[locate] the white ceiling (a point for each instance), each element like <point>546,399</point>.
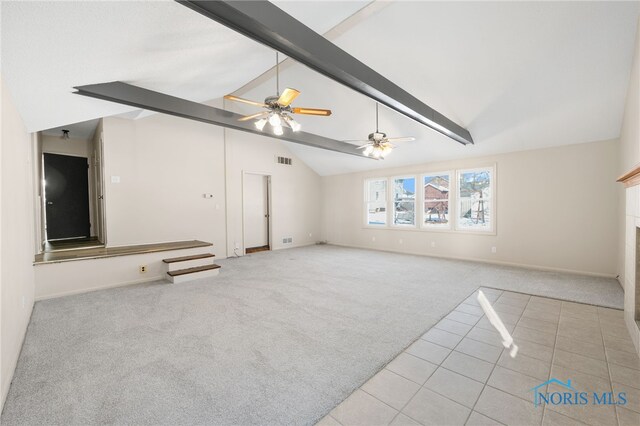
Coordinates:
<point>82,130</point>
<point>50,47</point>
<point>517,75</point>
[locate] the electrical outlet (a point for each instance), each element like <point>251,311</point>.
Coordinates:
<point>400,241</point>
<point>494,250</point>
<point>433,243</point>
<point>310,234</point>
<point>143,269</point>
<point>373,239</point>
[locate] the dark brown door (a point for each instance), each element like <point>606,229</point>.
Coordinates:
<point>66,196</point>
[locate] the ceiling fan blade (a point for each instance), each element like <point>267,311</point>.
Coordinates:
<point>245,101</point>
<point>252,116</point>
<point>406,139</point>
<point>311,111</point>
<point>363,146</point>
<point>288,96</point>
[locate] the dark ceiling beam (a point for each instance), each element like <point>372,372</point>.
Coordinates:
<point>138,97</point>
<point>265,23</point>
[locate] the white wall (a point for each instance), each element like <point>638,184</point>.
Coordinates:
<point>630,214</point>
<point>67,278</point>
<point>71,146</point>
<point>165,164</point>
<point>295,191</point>
<point>16,238</point>
<point>557,209</point>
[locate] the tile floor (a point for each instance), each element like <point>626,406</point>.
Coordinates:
<point>458,373</point>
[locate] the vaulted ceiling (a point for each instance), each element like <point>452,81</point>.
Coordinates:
<point>517,75</point>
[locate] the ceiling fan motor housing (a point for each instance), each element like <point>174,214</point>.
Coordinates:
<point>272,102</point>
<point>377,136</point>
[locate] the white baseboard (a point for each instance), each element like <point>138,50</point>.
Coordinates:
<point>491,262</point>
<point>103,287</point>
<point>294,245</point>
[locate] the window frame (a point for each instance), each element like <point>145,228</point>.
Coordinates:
<point>491,230</point>
<point>367,201</point>
<point>452,181</point>
<point>391,198</point>
<point>454,197</point>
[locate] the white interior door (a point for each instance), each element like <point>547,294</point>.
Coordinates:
<point>256,210</point>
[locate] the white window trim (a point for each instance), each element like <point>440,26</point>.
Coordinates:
<point>366,203</point>
<point>452,179</point>
<point>392,210</point>
<point>492,229</point>
<point>454,196</point>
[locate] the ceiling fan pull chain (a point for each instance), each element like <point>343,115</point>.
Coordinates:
<point>377,118</point>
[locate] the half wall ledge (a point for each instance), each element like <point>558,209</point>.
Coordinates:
<point>103,252</point>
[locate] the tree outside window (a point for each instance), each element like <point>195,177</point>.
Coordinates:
<point>475,201</point>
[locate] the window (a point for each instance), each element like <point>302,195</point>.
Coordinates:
<point>404,201</point>
<point>461,200</point>
<point>475,200</point>
<point>436,200</point>
<point>376,201</point>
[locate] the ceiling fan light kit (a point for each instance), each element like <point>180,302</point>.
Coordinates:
<point>378,145</point>
<point>278,109</point>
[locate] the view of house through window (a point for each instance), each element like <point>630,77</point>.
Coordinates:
<point>404,201</point>
<point>376,202</point>
<point>475,199</point>
<point>470,206</point>
<point>436,200</point>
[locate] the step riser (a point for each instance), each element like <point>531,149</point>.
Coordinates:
<point>194,276</point>
<point>176,266</point>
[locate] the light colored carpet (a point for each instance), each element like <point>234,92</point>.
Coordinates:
<point>277,338</point>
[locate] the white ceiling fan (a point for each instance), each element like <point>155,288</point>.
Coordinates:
<point>378,145</point>
<point>278,108</point>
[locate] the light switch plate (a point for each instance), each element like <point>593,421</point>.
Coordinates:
<point>115,179</point>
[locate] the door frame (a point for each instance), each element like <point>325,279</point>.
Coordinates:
<point>91,193</point>
<point>101,206</point>
<point>39,195</point>
<point>269,208</point>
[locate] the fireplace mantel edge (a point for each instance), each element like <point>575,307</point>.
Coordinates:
<point>631,178</point>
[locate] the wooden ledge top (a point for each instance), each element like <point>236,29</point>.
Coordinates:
<point>192,270</point>
<point>186,258</point>
<point>104,252</point>
<point>631,178</point>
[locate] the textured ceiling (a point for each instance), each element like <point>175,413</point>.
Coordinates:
<point>50,47</point>
<point>518,75</point>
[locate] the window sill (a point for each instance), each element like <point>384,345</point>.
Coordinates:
<point>428,230</point>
